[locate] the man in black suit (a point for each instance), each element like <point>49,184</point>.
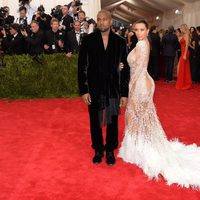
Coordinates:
<point>35,39</point>
<point>154,58</point>
<point>170,45</point>
<point>66,22</point>
<point>54,38</point>
<point>15,43</point>
<point>74,39</point>
<point>102,85</point>
<point>9,19</point>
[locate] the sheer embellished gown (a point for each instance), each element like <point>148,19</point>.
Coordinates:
<point>145,143</point>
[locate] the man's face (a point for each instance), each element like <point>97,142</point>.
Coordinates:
<point>55,26</point>
<point>103,22</point>
<point>81,17</point>
<point>22,13</point>
<point>34,27</point>
<point>65,10</point>
<point>77,26</point>
<point>12,31</point>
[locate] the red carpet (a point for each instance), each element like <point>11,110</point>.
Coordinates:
<point>45,151</point>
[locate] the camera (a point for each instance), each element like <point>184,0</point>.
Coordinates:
<point>56,13</point>
<point>23,2</point>
<point>78,3</point>
<point>3,12</point>
<point>41,11</point>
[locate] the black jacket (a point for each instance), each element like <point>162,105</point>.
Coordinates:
<point>67,21</point>
<point>98,69</point>
<point>155,44</point>
<point>14,45</point>
<point>35,43</point>
<point>170,44</point>
<point>52,39</point>
<point>72,44</point>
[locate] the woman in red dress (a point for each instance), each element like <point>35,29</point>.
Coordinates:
<point>184,76</point>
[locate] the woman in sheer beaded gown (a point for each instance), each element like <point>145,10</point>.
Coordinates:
<point>145,143</point>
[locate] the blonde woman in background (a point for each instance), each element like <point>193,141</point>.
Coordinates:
<point>183,72</point>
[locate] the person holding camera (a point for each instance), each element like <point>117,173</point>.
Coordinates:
<point>42,18</point>
<point>35,39</point>
<point>84,23</point>
<point>22,19</point>
<point>15,43</point>
<point>54,38</point>
<point>8,19</point>
<point>30,9</point>
<point>66,21</point>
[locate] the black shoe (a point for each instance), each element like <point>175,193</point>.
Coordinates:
<point>97,157</point>
<point>110,158</point>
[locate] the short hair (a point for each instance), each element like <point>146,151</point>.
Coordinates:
<point>77,21</point>
<point>35,22</point>
<point>152,28</point>
<point>81,11</point>
<point>105,12</point>
<point>15,26</point>
<point>54,20</point>
<point>142,21</point>
<point>170,29</point>
<point>22,8</point>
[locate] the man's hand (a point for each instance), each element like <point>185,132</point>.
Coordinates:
<point>123,101</point>
<point>46,46</point>
<point>69,55</point>
<point>86,98</point>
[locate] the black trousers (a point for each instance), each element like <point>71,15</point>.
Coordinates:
<point>169,66</point>
<point>194,68</point>
<point>153,67</point>
<point>96,132</point>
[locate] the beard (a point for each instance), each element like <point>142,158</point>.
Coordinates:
<point>103,29</point>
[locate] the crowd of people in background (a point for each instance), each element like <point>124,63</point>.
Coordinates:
<point>35,32</point>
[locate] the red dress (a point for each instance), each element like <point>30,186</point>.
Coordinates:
<point>184,76</point>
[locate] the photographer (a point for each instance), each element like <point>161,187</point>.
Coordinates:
<point>9,19</point>
<point>42,18</point>
<point>30,9</point>
<point>54,38</point>
<point>86,22</point>
<point>15,43</point>
<point>66,21</point>
<point>35,39</point>
<point>57,12</point>
<point>22,19</point>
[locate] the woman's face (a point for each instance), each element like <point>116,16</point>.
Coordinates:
<point>141,31</point>
<point>183,29</point>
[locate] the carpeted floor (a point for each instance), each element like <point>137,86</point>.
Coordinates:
<point>45,150</point>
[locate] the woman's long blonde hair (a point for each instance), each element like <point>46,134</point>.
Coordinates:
<point>186,30</point>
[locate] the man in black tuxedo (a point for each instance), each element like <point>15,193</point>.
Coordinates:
<point>35,39</point>
<point>74,39</point>
<point>170,45</point>
<point>15,43</point>
<point>66,22</point>
<point>154,58</point>
<point>102,85</point>
<point>54,38</point>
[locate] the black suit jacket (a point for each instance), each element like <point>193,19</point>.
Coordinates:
<point>14,45</point>
<point>98,69</point>
<point>35,43</point>
<point>67,21</point>
<point>71,42</point>
<point>155,44</point>
<point>170,44</point>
